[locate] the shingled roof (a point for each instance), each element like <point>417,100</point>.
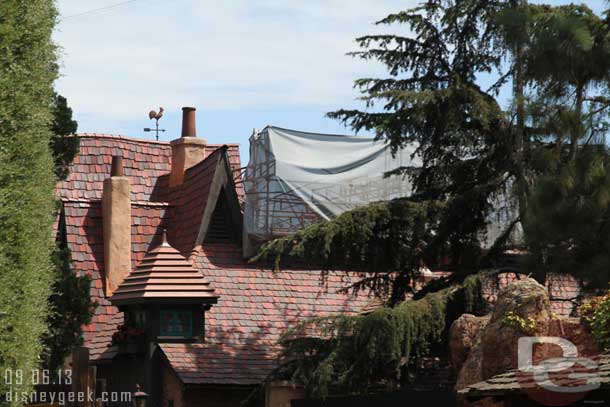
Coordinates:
<point>565,372</point>
<point>255,305</point>
<point>164,275</point>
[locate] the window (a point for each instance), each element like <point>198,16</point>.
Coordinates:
<point>139,318</point>
<point>176,322</point>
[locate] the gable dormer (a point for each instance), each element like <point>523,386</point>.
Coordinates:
<point>222,218</point>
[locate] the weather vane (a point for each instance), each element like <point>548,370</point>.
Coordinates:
<point>154,115</point>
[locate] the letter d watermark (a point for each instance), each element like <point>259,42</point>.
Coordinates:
<point>555,381</point>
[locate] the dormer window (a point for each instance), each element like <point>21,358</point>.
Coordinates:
<point>176,322</point>
<point>166,296</point>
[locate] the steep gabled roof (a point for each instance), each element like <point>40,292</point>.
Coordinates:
<point>194,201</point>
<point>255,305</point>
<point>83,226</point>
<point>145,162</point>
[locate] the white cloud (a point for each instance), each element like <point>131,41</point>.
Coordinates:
<point>232,54</point>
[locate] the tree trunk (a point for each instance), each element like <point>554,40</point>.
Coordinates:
<point>577,132</point>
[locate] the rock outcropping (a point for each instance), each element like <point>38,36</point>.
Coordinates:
<point>482,347</point>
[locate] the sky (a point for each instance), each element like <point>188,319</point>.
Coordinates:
<point>243,64</point>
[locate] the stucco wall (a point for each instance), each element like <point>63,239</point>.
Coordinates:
<point>279,394</point>
<point>172,390</point>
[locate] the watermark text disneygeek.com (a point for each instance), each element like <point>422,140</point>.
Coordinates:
<point>51,387</point>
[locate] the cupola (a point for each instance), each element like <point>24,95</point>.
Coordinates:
<point>166,297</point>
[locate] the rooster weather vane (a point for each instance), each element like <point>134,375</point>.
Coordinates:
<point>155,115</point>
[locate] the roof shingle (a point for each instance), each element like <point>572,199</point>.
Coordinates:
<point>255,305</point>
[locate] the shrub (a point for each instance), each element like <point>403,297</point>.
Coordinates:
<point>596,315</point>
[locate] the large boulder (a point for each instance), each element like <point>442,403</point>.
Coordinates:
<point>482,347</point>
<point>526,300</point>
<point>495,349</point>
<point>463,334</point>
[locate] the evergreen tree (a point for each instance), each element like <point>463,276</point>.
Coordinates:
<point>70,307</point>
<point>27,62</point>
<point>568,222</point>
<point>567,65</point>
<point>63,145</point>
<point>537,152</point>
<point>432,99</point>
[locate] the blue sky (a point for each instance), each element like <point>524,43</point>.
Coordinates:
<point>243,63</point>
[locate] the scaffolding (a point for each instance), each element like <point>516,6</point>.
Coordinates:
<point>295,179</point>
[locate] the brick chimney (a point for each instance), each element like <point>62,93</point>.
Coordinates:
<point>188,150</point>
<point>116,215</point>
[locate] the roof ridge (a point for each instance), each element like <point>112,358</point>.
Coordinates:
<point>120,137</point>
<point>140,140</point>
<point>99,201</point>
<point>206,161</point>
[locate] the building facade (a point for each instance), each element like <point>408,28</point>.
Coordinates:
<point>184,316</point>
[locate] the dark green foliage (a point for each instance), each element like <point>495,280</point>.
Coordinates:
<point>380,239</point>
<point>568,219</point>
<point>568,66</point>
<point>538,153</point>
<point>70,307</point>
<point>63,145</point>
<point>432,98</point>
<point>27,63</point>
<point>352,354</point>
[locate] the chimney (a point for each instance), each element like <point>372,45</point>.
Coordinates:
<point>116,215</point>
<point>188,150</point>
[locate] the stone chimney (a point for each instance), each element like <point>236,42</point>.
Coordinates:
<point>188,150</point>
<point>116,215</point>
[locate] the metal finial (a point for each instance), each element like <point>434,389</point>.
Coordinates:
<point>164,242</point>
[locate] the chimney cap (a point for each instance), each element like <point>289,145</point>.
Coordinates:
<point>116,169</point>
<point>189,128</point>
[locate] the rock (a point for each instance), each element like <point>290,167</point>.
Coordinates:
<point>495,350</point>
<point>525,299</point>
<point>573,330</point>
<point>462,336</point>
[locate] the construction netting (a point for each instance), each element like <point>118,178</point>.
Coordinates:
<point>294,178</point>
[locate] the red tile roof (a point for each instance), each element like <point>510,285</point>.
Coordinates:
<point>215,363</point>
<point>189,201</point>
<point>254,308</point>
<point>144,162</point>
<point>563,290</point>
<point>164,274</point>
<point>84,235</point>
<point>255,305</point>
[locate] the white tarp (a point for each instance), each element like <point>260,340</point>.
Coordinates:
<point>292,174</point>
<point>295,178</point>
